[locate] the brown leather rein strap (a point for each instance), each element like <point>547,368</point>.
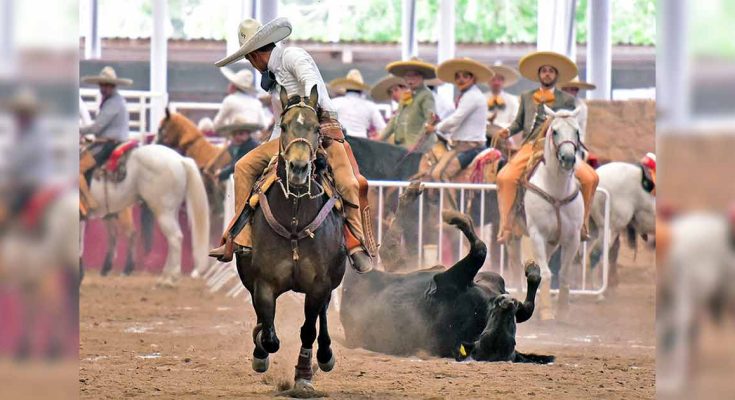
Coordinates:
<point>556,203</point>
<point>293,235</point>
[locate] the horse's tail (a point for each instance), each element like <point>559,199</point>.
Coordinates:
<point>146,223</point>
<point>197,210</point>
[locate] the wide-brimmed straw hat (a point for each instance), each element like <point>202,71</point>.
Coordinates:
<point>353,81</point>
<point>254,35</point>
<point>108,76</point>
<point>240,122</point>
<point>446,70</point>
<point>379,92</point>
<point>531,63</point>
<point>576,83</point>
<point>205,125</point>
<point>242,79</point>
<point>399,68</point>
<point>24,100</point>
<point>509,74</point>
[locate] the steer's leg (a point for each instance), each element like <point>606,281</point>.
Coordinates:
<point>324,355</point>
<point>533,279</point>
<point>541,250</point>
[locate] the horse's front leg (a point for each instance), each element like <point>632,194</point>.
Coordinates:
<point>313,307</point>
<point>264,335</point>
<point>541,252</point>
<point>569,250</point>
<point>324,356</point>
<point>111,228</point>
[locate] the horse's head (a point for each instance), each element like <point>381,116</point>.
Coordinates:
<point>175,130</point>
<point>562,140</point>
<point>299,136</point>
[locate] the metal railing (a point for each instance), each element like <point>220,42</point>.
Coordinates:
<point>221,274</point>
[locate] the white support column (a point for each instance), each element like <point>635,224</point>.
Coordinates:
<point>7,39</point>
<point>556,27</point>
<point>409,42</point>
<point>445,41</point>
<point>672,66</point>
<point>92,41</point>
<point>599,50</point>
<point>238,10</point>
<point>268,10</point>
<point>334,20</point>
<point>159,48</point>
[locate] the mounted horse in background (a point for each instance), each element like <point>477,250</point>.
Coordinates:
<point>552,204</point>
<point>179,133</point>
<point>298,243</point>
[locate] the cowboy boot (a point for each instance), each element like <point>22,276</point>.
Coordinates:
<point>241,230</point>
<point>362,262</point>
<point>88,202</point>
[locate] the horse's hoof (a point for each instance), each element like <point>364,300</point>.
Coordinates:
<point>303,385</point>
<point>261,365</point>
<point>195,274</point>
<point>327,366</point>
<point>166,283</point>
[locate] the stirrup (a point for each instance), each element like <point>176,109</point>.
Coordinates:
<point>224,253</point>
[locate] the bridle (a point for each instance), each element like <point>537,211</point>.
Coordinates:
<point>312,157</point>
<point>556,146</point>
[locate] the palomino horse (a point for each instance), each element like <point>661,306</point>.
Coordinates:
<point>553,206</point>
<point>163,179</point>
<point>297,243</point>
<point>179,133</point>
<point>632,209</point>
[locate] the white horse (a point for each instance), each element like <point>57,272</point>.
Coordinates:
<point>551,226</point>
<point>163,179</point>
<point>632,208</point>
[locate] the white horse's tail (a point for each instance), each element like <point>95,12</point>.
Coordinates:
<point>197,210</point>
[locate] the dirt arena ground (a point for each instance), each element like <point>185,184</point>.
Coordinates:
<point>141,342</point>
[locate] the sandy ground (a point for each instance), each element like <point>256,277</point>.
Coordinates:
<point>141,342</point>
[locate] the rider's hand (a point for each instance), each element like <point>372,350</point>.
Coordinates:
<point>503,133</point>
<point>429,128</point>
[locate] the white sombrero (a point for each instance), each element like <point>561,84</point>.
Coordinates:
<point>446,70</point>
<point>205,125</point>
<point>399,68</point>
<point>509,74</point>
<point>379,92</point>
<point>240,122</point>
<point>353,81</point>
<point>576,83</point>
<point>531,63</point>
<point>242,79</point>
<point>253,35</point>
<point>107,75</point>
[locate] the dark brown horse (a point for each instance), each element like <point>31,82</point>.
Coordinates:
<point>297,243</point>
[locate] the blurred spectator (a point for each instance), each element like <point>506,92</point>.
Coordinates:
<point>359,116</point>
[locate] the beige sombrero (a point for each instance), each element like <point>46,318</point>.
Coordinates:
<point>24,100</point>
<point>434,82</point>
<point>509,74</point>
<point>107,75</point>
<point>581,85</point>
<point>399,68</point>
<point>531,63</point>
<point>253,35</point>
<point>353,81</point>
<point>379,92</point>
<point>242,79</point>
<point>446,70</point>
<point>239,122</point>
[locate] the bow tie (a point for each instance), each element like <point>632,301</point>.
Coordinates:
<point>495,102</point>
<point>543,96</point>
<point>267,80</point>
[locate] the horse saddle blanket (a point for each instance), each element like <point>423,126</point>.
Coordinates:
<point>485,166</point>
<point>648,179</point>
<point>32,214</point>
<point>270,176</point>
<point>114,169</point>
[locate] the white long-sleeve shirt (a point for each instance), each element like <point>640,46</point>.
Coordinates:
<point>469,120</point>
<point>112,120</point>
<point>444,106</point>
<point>504,117</point>
<point>296,71</point>
<point>240,103</point>
<point>358,114</point>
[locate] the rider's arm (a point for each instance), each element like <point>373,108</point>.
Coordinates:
<point>389,129</point>
<point>376,120</point>
<point>465,107</point>
<point>302,66</point>
<point>103,119</point>
<point>517,124</point>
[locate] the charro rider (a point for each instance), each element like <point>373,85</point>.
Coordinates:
<point>109,129</point>
<point>547,68</point>
<point>240,131</point>
<point>415,109</point>
<point>389,89</point>
<point>501,105</point>
<point>465,126</point>
<point>240,98</point>
<point>573,87</point>
<point>358,115</point>
<point>293,69</point>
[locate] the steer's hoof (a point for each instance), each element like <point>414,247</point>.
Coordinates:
<point>261,365</point>
<point>327,366</point>
<point>532,269</point>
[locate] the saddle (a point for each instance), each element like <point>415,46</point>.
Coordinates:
<point>114,169</point>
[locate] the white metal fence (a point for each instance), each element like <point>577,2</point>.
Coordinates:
<point>428,252</point>
<point>139,104</point>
